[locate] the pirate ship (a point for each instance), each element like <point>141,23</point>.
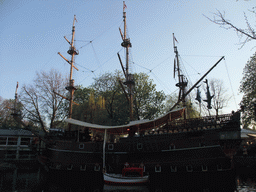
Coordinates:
<point>170,144</point>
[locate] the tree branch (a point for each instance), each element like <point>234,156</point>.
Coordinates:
<point>249,33</point>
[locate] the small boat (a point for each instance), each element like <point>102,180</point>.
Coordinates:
<point>129,176</point>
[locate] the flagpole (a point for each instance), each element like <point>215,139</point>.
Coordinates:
<point>173,40</point>
<point>104,151</point>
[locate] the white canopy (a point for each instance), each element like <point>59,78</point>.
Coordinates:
<point>141,124</point>
<point>245,133</point>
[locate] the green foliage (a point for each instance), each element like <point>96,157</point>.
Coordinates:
<point>149,102</point>
<point>6,109</point>
<point>104,102</point>
<point>248,88</point>
<point>191,110</point>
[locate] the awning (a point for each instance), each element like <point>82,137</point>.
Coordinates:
<point>142,125</point>
<point>245,133</point>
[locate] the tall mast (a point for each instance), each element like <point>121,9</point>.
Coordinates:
<point>128,76</point>
<point>183,80</point>
<point>72,51</point>
<point>16,98</point>
<point>182,84</point>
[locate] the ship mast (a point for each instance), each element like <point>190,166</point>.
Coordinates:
<point>182,84</point>
<point>72,51</point>
<point>128,76</point>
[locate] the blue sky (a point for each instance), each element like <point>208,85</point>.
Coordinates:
<point>31,35</point>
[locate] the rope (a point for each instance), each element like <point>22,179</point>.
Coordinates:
<point>230,82</point>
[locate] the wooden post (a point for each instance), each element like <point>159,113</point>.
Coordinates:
<point>104,151</point>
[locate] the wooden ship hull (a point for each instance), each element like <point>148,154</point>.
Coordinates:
<point>201,145</point>
<point>194,147</point>
<point>73,156</point>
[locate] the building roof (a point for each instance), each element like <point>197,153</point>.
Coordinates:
<point>16,132</point>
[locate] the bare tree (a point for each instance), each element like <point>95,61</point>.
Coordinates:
<point>220,97</point>
<point>41,105</point>
<point>6,109</point>
<point>245,34</point>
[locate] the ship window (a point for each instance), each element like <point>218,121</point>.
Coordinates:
<point>173,168</point>
<point>139,145</point>
<point>82,167</point>
<point>11,154</point>
<point>3,140</point>
<point>97,167</point>
<point>58,166</point>
<point>219,167</point>
<point>171,147</point>
<point>189,168</point>
<point>25,141</point>
<point>70,167</point>
<point>157,168</point>
<point>12,140</point>
<point>204,168</point>
<point>81,146</point>
<point>202,144</point>
<point>110,146</point>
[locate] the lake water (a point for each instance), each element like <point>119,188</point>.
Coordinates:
<point>25,180</point>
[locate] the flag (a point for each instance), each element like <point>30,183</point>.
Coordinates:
<point>16,89</point>
<point>175,39</point>
<point>124,6</point>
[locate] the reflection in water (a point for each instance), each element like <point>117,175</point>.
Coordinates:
<point>26,180</point>
<point>20,179</point>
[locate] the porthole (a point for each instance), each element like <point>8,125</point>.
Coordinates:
<point>158,168</point>
<point>173,168</point>
<point>204,168</point>
<point>58,166</point>
<point>139,146</point>
<point>70,167</point>
<point>219,167</point>
<point>189,168</point>
<point>97,167</point>
<point>81,146</point>
<point>82,167</point>
<point>110,147</point>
